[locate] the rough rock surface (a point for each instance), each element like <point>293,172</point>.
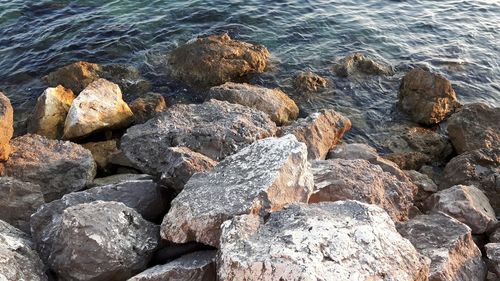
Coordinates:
<point>118,178</point>
<point>215,129</point>
<point>280,108</point>
<point>320,131</point>
<point>309,82</point>
<point>428,98</point>
<point>128,77</point>
<point>18,200</point>
<point>197,266</point>
<point>340,179</point>
<point>216,59</point>
<point>493,255</point>
<point>345,240</point>
<point>6,126</point>
<point>50,112</point>
<point>467,204</point>
<point>99,106</point>
<point>144,196</point>
<point>101,152</point>
<point>426,186</point>
<point>147,107</point>
<point>118,243</point>
<point>475,126</point>
<point>357,63</point>
<point>76,76</point>
<point>449,245</point>
<point>18,260</point>
<point>59,167</point>
<point>259,179</point>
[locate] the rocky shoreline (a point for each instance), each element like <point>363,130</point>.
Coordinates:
<point>112,183</point>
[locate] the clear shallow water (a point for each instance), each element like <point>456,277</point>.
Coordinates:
<point>460,39</point>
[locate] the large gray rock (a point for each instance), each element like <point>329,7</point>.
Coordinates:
<point>144,196</point>
<point>215,128</point>
<point>6,126</point>
<point>102,241</point>
<point>358,64</point>
<point>345,240</point>
<point>59,167</point>
<point>493,255</point>
<point>320,131</point>
<point>340,179</point>
<point>197,266</point>
<point>449,245</point>
<point>475,126</point>
<point>259,179</point>
<point>18,200</point>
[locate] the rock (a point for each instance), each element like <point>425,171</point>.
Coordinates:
<point>475,126</point>
<point>118,242</point>
<point>259,179</point>
<point>144,196</point>
<point>345,240</point>
<point>280,108</point>
<point>433,172</point>
<point>50,112</point>
<point>216,59</point>
<point>357,63</point>
<point>147,107</point>
<point>320,131</point>
<point>494,236</point>
<point>18,200</point>
<point>101,152</point>
<point>467,204</point>
<point>426,97</point>
<point>76,76</point>
<point>197,266</point>
<point>426,186</point>
<point>98,107</point>
<point>6,126</point>
<point>493,254</point>
<point>18,261</point>
<point>340,179</point>
<point>408,160</point>
<point>309,82</point>
<point>480,168</point>
<point>129,79</point>
<point>449,245</point>
<point>215,129</point>
<point>115,179</point>
<point>59,167</point>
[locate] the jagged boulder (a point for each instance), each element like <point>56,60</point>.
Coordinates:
<point>147,107</point>
<point>358,64</point>
<point>309,82</point>
<point>76,76</point>
<point>6,126</point>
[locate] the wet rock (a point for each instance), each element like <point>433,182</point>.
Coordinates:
<point>340,179</point>
<point>6,126</point>
<point>215,128</point>
<point>18,260</point>
<point>144,196</point>
<point>76,76</point>
<point>475,126</point>
<point>197,266</point>
<point>18,200</point>
<point>216,59</point>
<point>59,167</point>
<point>449,245</point>
<point>426,97</point>
<point>466,204</point>
<point>357,63</point>
<point>493,255</point>
<point>336,241</point>
<point>320,131</point>
<point>128,77</point>
<point>98,107</point>
<point>426,186</point>
<point>259,179</point>
<point>118,242</point>
<point>309,82</point>
<point>115,179</point>
<point>101,152</point>
<point>280,108</point>
<point>147,107</point>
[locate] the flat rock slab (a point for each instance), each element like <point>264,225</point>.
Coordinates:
<point>345,240</point>
<point>6,126</point>
<point>259,179</point>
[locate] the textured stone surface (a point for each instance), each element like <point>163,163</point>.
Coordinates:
<point>309,82</point>
<point>6,126</point>
<point>101,152</point>
<point>50,112</point>
<point>475,126</point>
<point>197,266</point>
<point>59,167</point>
<point>320,131</point>
<point>98,107</point>
<point>216,59</point>
<point>259,179</point>
<point>215,128</point>
<point>357,63</point>
<point>147,107</point>
<point>493,255</point>
<point>128,77</point>
<point>280,108</point>
<point>449,245</point>
<point>426,97</point>
<point>345,240</point>
<point>118,178</point>
<point>340,179</point>
<point>76,76</point>
<point>426,186</point>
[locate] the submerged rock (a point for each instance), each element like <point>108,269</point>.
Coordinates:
<point>345,240</point>
<point>147,107</point>
<point>216,59</point>
<point>76,76</point>
<point>357,63</point>
<point>118,178</point>
<point>259,179</point>
<point>6,126</point>
<point>309,82</point>
<point>426,97</point>
<point>280,108</point>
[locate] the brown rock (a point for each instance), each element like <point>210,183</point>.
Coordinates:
<point>148,106</point>
<point>357,63</point>
<point>101,152</point>
<point>426,186</point>
<point>6,126</point>
<point>76,76</point>
<point>309,82</point>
